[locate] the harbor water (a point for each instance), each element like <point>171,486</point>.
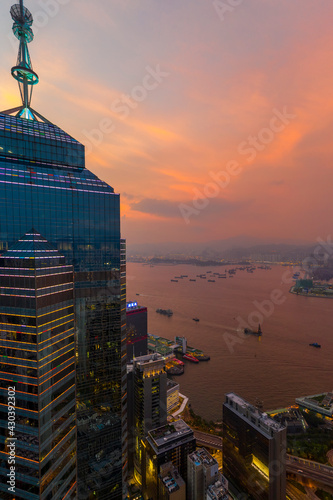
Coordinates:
<point>275,368</point>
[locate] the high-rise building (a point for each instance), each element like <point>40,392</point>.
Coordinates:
<point>136,331</point>
<point>44,184</point>
<point>202,471</point>
<point>254,451</point>
<point>171,443</point>
<point>147,399</point>
<point>37,364</point>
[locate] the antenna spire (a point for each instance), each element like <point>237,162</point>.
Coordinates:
<point>23,71</point>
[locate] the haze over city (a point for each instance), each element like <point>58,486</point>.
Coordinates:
<point>204,86</point>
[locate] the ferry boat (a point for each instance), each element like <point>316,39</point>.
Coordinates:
<point>315,344</point>
<point>190,358</point>
<point>175,281</point>
<point>196,319</point>
<point>211,281</point>
<point>192,280</point>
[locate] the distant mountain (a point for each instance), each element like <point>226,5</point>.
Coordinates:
<point>236,247</point>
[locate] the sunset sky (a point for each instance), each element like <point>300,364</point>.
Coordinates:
<point>212,119</point>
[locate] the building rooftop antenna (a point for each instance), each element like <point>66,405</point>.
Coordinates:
<point>23,72</point>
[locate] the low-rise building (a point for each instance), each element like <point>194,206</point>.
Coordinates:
<point>171,484</point>
<point>318,403</point>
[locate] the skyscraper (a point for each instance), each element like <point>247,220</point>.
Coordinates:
<point>254,451</point>
<point>44,184</point>
<point>171,443</point>
<point>147,398</point>
<point>38,365</point>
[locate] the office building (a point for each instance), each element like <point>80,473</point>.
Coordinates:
<point>37,358</point>
<point>254,451</point>
<point>171,484</point>
<point>136,331</point>
<point>202,471</point>
<point>44,184</point>
<point>171,443</point>
<point>147,403</point>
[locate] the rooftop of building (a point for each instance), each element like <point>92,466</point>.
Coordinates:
<point>323,402</point>
<point>202,457</point>
<point>169,433</point>
<point>171,384</point>
<point>147,359</point>
<point>254,415</point>
<point>172,480</point>
<point>133,307</point>
<point>217,492</point>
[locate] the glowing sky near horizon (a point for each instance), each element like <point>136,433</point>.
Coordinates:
<point>177,100</point>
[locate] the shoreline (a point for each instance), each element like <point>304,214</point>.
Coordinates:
<point>314,295</point>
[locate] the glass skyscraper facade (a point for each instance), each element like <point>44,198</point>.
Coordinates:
<point>37,368</point>
<point>44,184</point>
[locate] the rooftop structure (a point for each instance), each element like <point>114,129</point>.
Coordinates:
<point>253,415</point>
<point>171,484</point>
<point>319,403</point>
<point>175,432</point>
<point>217,491</point>
<point>170,443</point>
<point>202,471</point>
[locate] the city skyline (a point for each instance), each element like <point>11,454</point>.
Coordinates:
<point>204,79</point>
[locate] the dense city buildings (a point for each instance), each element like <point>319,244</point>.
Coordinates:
<point>202,471</point>
<point>254,451</point>
<point>147,403</point>
<point>44,185</point>
<point>136,331</point>
<point>37,365</point>
<point>171,443</point>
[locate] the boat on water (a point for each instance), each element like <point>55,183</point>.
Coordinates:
<point>191,358</point>
<point>196,319</point>
<point>192,280</point>
<point>257,333</point>
<point>315,344</point>
<point>175,281</point>
<point>165,312</point>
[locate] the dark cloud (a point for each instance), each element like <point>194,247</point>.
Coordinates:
<point>171,209</point>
